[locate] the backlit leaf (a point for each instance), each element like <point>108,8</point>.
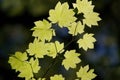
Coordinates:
<point>87,41</point>
<point>43,30</point>
<point>91,18</point>
<point>76,28</point>
<point>19,63</point>
<point>54,48</point>
<point>35,65</point>
<point>86,7</point>
<point>83,6</point>
<point>57,77</point>
<point>37,48</point>
<point>84,74</point>
<point>71,59</point>
<point>62,15</point>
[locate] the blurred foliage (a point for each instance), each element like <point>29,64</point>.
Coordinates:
<point>34,7</point>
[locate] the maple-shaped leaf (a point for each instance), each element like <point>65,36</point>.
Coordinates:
<point>26,71</point>
<point>91,18</point>
<point>21,56</point>
<point>57,77</point>
<point>59,46</point>
<point>76,28</point>
<point>87,41</point>
<point>71,59</point>
<point>62,15</point>
<point>54,48</point>
<point>84,74</point>
<point>17,60</point>
<point>43,30</point>
<point>86,7</point>
<point>19,63</point>
<point>83,6</point>
<point>35,65</point>
<point>37,48</point>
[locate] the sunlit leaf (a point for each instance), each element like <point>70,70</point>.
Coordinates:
<point>83,6</point>
<point>87,41</point>
<point>37,48</point>
<point>26,71</point>
<point>62,15</point>
<point>19,63</point>
<point>84,74</point>
<point>86,7</point>
<point>59,46</point>
<point>54,48</point>
<point>35,65</point>
<point>17,60</point>
<point>91,18</point>
<point>57,77</point>
<point>76,28</point>
<point>43,30</point>
<point>71,59</point>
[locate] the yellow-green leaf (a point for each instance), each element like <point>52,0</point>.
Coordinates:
<point>76,28</point>
<point>35,65</point>
<point>17,60</point>
<point>86,7</point>
<point>26,71</point>
<point>91,19</point>
<point>71,59</point>
<point>37,48</point>
<point>87,41</point>
<point>62,15</point>
<point>57,77</point>
<point>43,30</point>
<point>84,74</point>
<point>59,46</point>
<point>83,6</point>
<point>19,63</point>
<point>54,48</point>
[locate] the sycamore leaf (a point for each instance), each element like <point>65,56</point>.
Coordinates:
<point>37,48</point>
<point>91,19</point>
<point>62,15</point>
<point>35,65</point>
<point>43,30</point>
<point>51,50</point>
<point>84,74</point>
<point>71,59</point>
<point>19,63</point>
<point>21,56</point>
<point>59,46</point>
<point>84,6</point>
<point>87,41</point>
<point>26,71</point>
<point>54,48</point>
<point>57,77</point>
<point>76,28</point>
<point>17,60</point>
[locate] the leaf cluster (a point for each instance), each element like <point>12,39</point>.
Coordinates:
<point>43,45</point>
